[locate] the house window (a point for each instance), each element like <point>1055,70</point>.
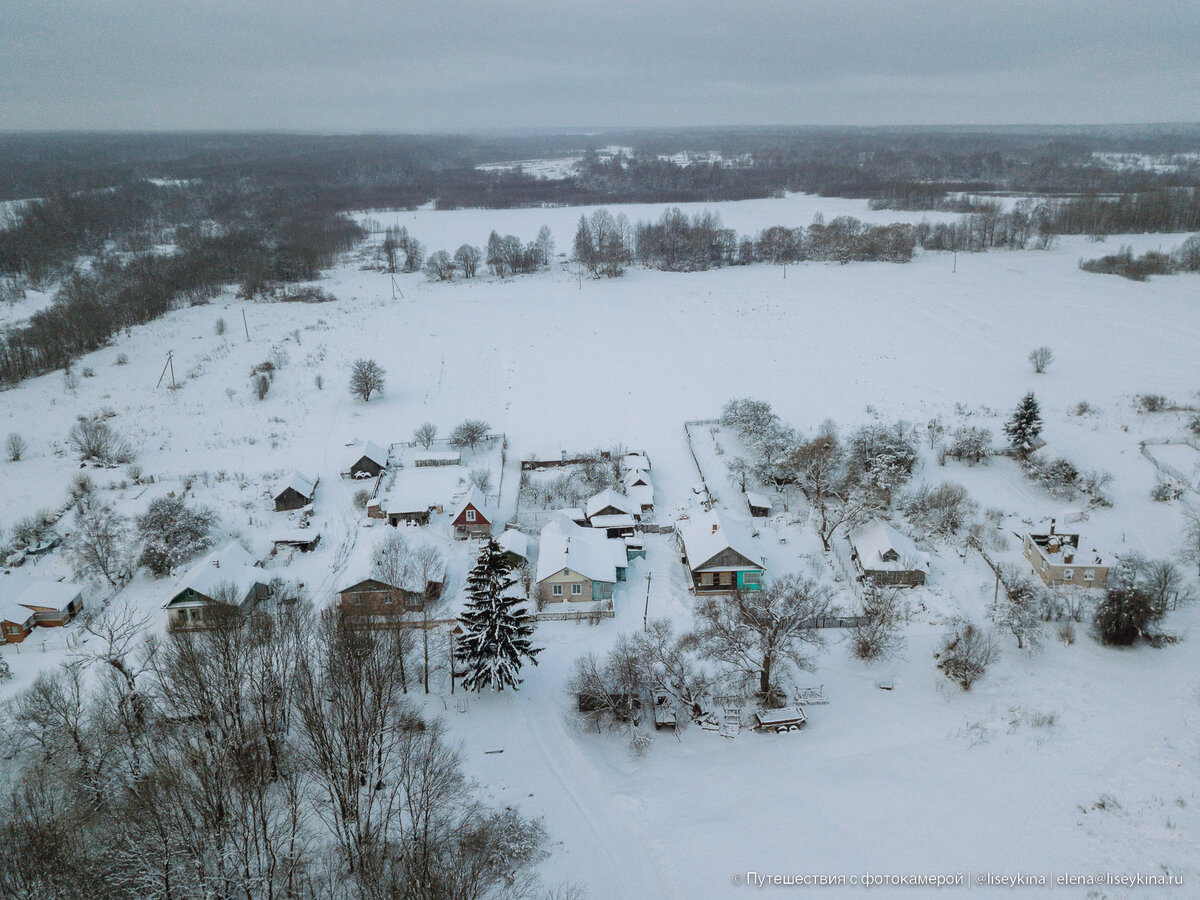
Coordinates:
<point>750,578</point>
<point>1043,565</point>
<point>1068,574</point>
<point>1089,574</point>
<point>556,590</point>
<point>706,578</point>
<point>726,578</point>
<point>470,515</point>
<point>576,590</point>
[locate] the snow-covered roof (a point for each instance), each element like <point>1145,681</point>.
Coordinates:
<point>227,564</point>
<point>14,612</point>
<point>565,545</point>
<point>642,495</point>
<point>440,456</point>
<point>876,541</point>
<point>44,593</point>
<point>707,534</point>
<point>615,520</point>
<point>637,461</point>
<point>513,541</point>
<point>574,513</point>
<point>411,495</point>
<point>635,477</point>
<point>476,499</point>
<point>298,482</point>
<point>372,451</point>
<point>607,497</point>
<point>760,500</point>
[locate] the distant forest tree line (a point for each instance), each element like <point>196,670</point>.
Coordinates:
<point>264,210</point>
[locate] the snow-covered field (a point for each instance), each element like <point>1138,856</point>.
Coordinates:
<point>1079,760</point>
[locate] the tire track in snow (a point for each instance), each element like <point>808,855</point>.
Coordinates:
<point>634,874</point>
<point>343,509</point>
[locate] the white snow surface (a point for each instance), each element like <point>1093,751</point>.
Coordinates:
<point>1080,759</point>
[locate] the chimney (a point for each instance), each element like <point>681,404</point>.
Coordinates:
<point>1052,526</point>
<point>216,564</point>
<point>715,527</point>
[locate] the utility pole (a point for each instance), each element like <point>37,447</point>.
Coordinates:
<point>646,612</point>
<point>245,324</point>
<point>169,365</point>
<point>955,269</point>
<point>395,287</point>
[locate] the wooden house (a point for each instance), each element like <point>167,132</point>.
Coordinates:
<point>368,461</point>
<point>372,602</point>
<point>577,564</point>
<point>295,492</point>
<point>474,516</point>
<point>53,603</point>
<point>1058,561</point>
<point>16,622</point>
<point>411,501</point>
<point>227,578</point>
<point>639,489</point>
<point>887,557</point>
<point>608,503</point>
<point>719,554</point>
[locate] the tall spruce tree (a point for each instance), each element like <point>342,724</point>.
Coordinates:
<point>1025,424</point>
<point>498,632</point>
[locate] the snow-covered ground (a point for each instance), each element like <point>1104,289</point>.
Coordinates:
<point>1078,760</point>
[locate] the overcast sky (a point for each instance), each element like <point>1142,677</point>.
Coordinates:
<point>467,64</point>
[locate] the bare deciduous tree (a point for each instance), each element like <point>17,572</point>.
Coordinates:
<point>366,378</point>
<point>1040,358</point>
<point>100,546</point>
<point>15,447</point>
<point>425,434</point>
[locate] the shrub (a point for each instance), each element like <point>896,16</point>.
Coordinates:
<point>1126,614</point>
<point>941,510</point>
<point>262,384</point>
<point>970,444</point>
<point>33,529</point>
<point>219,327</point>
<point>967,651</point>
<point>482,479</point>
<point>81,486</point>
<point>15,447</point>
<point>319,381</point>
<point>87,372</point>
<point>1166,491</point>
<point>1066,633</point>
<point>122,359</point>
<point>361,498</point>
<point>1083,408</point>
<point>94,439</point>
<point>1040,357</point>
<point>1151,403</point>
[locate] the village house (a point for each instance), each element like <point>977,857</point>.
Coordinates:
<point>295,492</point>
<point>608,503</point>
<point>54,603</point>
<point>639,489</point>
<point>16,621</point>
<point>410,501</point>
<point>1057,560</point>
<point>887,557</point>
<point>577,564</point>
<point>369,460</point>
<point>719,554</point>
<point>227,576</point>
<point>374,603</point>
<point>474,516</point>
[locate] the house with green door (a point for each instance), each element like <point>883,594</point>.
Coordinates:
<point>719,554</point>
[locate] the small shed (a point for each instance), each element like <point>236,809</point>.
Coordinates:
<point>439,458</point>
<point>614,526</point>
<point>16,621</point>
<point>608,503</point>
<point>369,460</point>
<point>760,504</point>
<point>515,545</point>
<point>295,492</point>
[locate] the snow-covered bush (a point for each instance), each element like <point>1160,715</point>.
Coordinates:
<point>482,479</point>
<point>5,671</point>
<point>970,444</point>
<point>33,529</point>
<point>1165,491</point>
<point>879,633</point>
<point>172,533</point>
<point>361,497</point>
<point>262,384</point>
<point>81,486</point>
<point>967,650</point>
<point>94,439</point>
<point>882,456</point>
<point>1040,357</point>
<point>1152,403</point>
<point>469,434</point>
<point>943,510</point>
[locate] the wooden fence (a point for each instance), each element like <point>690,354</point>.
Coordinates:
<point>575,615</point>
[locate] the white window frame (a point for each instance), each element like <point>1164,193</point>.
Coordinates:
<point>576,589</point>
<point>1068,574</point>
<point>470,515</point>
<point>1089,574</point>
<point>556,590</point>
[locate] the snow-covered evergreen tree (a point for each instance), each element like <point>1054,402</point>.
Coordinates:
<point>498,631</point>
<point>1025,424</point>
